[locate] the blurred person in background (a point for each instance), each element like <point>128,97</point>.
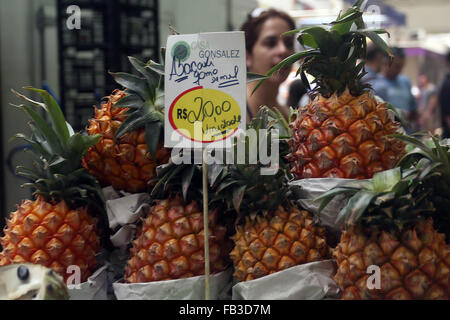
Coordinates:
<point>296,91</point>
<point>375,59</point>
<point>395,88</point>
<point>266,48</point>
<point>444,100</point>
<point>430,114</point>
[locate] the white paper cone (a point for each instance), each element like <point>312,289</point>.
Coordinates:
<point>311,281</point>
<point>181,289</point>
<point>95,288</point>
<point>310,189</point>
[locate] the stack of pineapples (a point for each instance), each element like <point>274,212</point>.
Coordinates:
<point>344,132</point>
<point>59,228</point>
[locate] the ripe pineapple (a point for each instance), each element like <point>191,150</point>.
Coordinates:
<point>272,234</point>
<point>130,122</point>
<point>55,229</point>
<point>343,132</point>
<point>170,242</point>
<point>390,226</point>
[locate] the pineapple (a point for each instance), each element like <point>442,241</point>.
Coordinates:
<point>272,234</point>
<point>389,225</point>
<point>170,243</point>
<point>55,229</point>
<point>344,131</point>
<point>431,155</point>
<point>130,122</point>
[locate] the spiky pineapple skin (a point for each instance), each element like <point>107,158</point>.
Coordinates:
<point>343,137</point>
<point>276,241</point>
<point>125,163</point>
<point>414,263</point>
<point>170,243</point>
<point>51,235</point>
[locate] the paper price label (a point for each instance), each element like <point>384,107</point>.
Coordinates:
<point>205,87</point>
<point>205,115</point>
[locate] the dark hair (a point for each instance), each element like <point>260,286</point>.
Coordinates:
<point>448,57</point>
<point>373,51</point>
<point>398,52</point>
<point>252,26</point>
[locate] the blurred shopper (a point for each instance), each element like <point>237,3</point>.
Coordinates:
<point>296,91</point>
<point>375,58</point>
<point>430,114</point>
<point>444,100</point>
<point>395,88</point>
<point>265,49</point>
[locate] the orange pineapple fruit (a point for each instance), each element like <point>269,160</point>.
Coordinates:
<point>52,235</point>
<point>170,243</point>
<point>344,132</point>
<point>390,248</point>
<point>55,229</point>
<point>343,137</point>
<point>272,234</point>
<point>275,241</point>
<point>414,263</point>
<point>130,122</point>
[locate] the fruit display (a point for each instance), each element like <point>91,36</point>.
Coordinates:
<point>391,228</point>
<point>170,242</point>
<point>272,234</point>
<point>130,122</point>
<point>31,282</point>
<point>59,227</point>
<point>431,158</point>
<point>390,191</point>
<point>344,132</point>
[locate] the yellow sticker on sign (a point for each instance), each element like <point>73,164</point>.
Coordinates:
<point>205,115</point>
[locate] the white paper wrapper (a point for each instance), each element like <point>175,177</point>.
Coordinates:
<point>124,210</point>
<point>181,289</point>
<point>311,281</point>
<point>95,288</point>
<point>310,189</point>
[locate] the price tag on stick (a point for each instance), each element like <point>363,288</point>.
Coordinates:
<point>205,99</point>
<point>205,88</point>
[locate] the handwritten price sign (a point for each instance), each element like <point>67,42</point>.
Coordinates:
<point>205,88</point>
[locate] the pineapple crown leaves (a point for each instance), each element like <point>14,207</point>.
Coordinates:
<point>56,150</point>
<point>389,200</point>
<point>183,179</point>
<point>429,156</point>
<point>228,183</point>
<point>428,161</point>
<point>145,101</point>
<point>242,186</point>
<point>334,53</point>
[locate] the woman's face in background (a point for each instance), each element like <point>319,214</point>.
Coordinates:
<point>270,49</point>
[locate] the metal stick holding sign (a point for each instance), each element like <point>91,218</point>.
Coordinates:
<point>205,224</point>
<point>205,89</point>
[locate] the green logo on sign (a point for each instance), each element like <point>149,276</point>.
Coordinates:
<point>181,51</point>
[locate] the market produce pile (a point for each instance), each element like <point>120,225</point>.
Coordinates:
<point>393,189</point>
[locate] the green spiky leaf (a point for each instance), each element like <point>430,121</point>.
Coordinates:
<point>286,62</point>
<point>132,101</point>
<point>133,83</point>
<point>186,179</point>
<point>55,112</point>
<point>152,136</point>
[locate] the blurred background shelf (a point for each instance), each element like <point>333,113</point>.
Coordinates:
<point>111,31</point>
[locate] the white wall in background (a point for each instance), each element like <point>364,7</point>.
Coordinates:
<point>19,67</point>
<point>193,16</point>
<point>20,63</point>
